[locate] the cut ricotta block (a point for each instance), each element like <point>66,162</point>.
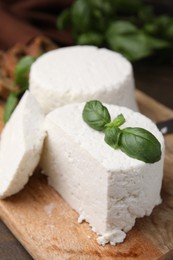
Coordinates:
<point>79,73</point>
<point>20,145</point>
<point>105,186</point>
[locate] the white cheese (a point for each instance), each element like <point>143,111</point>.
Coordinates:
<point>105,186</point>
<point>20,146</point>
<point>79,73</point>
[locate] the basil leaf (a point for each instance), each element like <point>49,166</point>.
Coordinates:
<point>121,27</point>
<point>10,105</point>
<point>63,20</point>
<point>90,38</point>
<point>157,43</point>
<point>133,46</point>
<point>118,121</point>
<point>127,7</point>
<point>80,16</point>
<point>140,144</point>
<point>169,32</point>
<point>22,71</point>
<point>146,14</point>
<point>104,6</point>
<point>112,136</point>
<point>96,115</point>
<point>101,11</point>
<point>150,28</point>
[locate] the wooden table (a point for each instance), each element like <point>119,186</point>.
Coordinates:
<point>156,82</point>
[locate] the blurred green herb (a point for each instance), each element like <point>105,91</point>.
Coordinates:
<point>10,105</point>
<point>22,70</point>
<point>129,27</point>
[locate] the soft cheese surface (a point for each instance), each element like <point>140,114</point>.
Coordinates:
<point>107,188</point>
<point>78,73</point>
<point>20,145</point>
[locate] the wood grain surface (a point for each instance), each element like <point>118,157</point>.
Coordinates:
<point>47,227</point>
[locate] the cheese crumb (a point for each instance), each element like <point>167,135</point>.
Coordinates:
<point>81,218</point>
<point>49,208</point>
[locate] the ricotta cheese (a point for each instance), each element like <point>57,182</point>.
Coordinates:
<point>105,186</point>
<point>20,146</point>
<point>79,73</point>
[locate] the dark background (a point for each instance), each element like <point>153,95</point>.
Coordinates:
<point>21,21</point>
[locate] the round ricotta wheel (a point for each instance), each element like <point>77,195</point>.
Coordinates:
<point>80,73</point>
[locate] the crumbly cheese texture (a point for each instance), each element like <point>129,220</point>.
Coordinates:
<point>20,145</point>
<point>79,73</point>
<point>105,186</point>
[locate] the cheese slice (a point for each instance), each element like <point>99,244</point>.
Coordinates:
<point>105,186</point>
<point>79,73</point>
<point>20,145</point>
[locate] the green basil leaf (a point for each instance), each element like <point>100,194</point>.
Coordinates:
<point>159,26</point>
<point>90,38</point>
<point>163,22</point>
<point>127,7</point>
<point>63,20</point>
<point>104,6</point>
<point>80,16</point>
<point>101,11</point>
<point>169,33</point>
<point>156,43</point>
<point>10,105</point>
<point>96,115</point>
<point>22,71</point>
<point>150,28</point>
<point>121,27</point>
<point>132,46</point>
<point>146,14</point>
<point>140,144</point>
<point>118,121</point>
<point>112,136</point>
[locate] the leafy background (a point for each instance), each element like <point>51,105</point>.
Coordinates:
<point>129,27</point>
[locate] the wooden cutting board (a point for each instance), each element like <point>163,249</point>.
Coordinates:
<point>47,227</point>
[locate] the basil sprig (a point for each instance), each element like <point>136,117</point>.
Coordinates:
<point>136,142</point>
